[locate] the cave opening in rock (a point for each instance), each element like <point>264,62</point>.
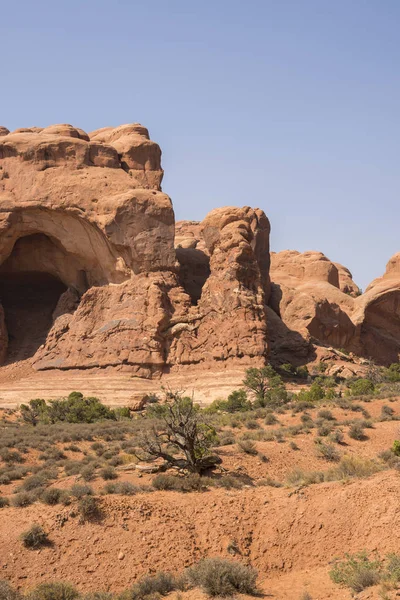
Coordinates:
<point>28,299</point>
<point>194,270</point>
<point>32,279</point>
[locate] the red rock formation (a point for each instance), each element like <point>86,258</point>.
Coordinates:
<point>84,221</point>
<point>89,276</point>
<point>319,300</point>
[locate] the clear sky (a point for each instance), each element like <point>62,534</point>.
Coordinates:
<point>292,106</point>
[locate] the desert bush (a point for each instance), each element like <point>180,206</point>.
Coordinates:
<point>34,481</point>
<point>121,487</point>
<point>115,461</point>
<point>4,502</point>
<point>266,386</point>
<point>393,568</point>
<point>225,438</point>
<point>392,373</point>
<point>11,456</point>
<point>307,420</point>
<point>153,586</point>
<point>72,448</point>
<point>337,436</point>
<point>220,577</point>
<point>190,483</point>
<point>101,596</point>
<point>53,591</point>
<point>299,477</point>
<point>229,482</point>
<point>268,481</point>
<point>325,428</point>
<point>237,401</point>
<point>396,447</point>
<point>387,413</point>
<point>302,404</point>
<point>108,473</point>
<point>184,428</point>
<point>327,451</point>
<point>89,508</point>
<point>357,572</point>
<point>252,424</point>
<point>80,491</point>
<point>362,387</point>
<point>52,496</point>
<point>74,409</point>
<point>356,432</point>
<point>52,453</point>
<point>353,466</point>
<point>270,419</point>
<point>7,592</point>
<point>23,499</point>
<point>34,537</point>
<point>326,415</point>
<point>88,472</point>
<point>247,447</point>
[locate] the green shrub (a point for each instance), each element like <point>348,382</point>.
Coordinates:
<point>362,387</point>
<point>74,409</point>
<point>392,373</point>
<point>153,586</point>
<point>54,591</point>
<point>34,537</point>
<point>396,447</point>
<point>237,402</point>
<point>357,572</point>
<point>220,577</point>
<point>266,386</point>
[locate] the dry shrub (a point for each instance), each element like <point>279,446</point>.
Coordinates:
<point>34,537</point>
<point>221,577</point>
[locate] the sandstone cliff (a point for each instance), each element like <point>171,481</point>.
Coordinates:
<point>95,273</point>
<point>88,272</point>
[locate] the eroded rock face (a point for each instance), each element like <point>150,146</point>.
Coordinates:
<point>95,274</point>
<point>319,300</point>
<point>84,221</point>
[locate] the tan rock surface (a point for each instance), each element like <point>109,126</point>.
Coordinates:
<point>84,221</point>
<point>319,300</point>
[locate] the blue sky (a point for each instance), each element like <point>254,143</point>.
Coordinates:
<point>288,105</point>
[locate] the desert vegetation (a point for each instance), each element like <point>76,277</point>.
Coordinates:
<point>283,431</point>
